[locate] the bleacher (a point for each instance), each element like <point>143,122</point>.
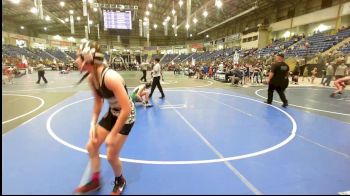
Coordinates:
<point>41,54</point>
<point>345,49</point>
<point>318,43</point>
<point>156,55</point>
<point>276,47</point>
<point>16,51</point>
<point>168,58</point>
<point>59,55</point>
<point>71,54</point>
<point>181,57</point>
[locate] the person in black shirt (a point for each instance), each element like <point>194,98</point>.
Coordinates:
<point>278,80</point>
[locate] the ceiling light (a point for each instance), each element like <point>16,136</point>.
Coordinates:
<point>145,18</point>
<point>168,17</point>
<point>67,20</point>
<point>34,10</point>
<point>122,7</point>
<point>195,20</point>
<point>91,1</point>
<point>62,3</point>
<point>71,12</point>
<point>91,22</point>
<point>218,3</point>
<point>45,28</point>
<point>15,1</point>
<point>164,23</point>
<point>173,26</point>
<point>205,13</point>
<point>147,13</point>
<point>78,18</point>
<point>207,36</point>
<point>173,12</point>
<point>95,9</point>
<point>22,27</point>
<point>47,18</point>
<point>187,26</point>
<point>181,3</point>
<point>175,35</point>
<point>191,35</point>
<point>155,26</point>
<point>150,5</point>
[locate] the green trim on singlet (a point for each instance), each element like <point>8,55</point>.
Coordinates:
<point>133,95</point>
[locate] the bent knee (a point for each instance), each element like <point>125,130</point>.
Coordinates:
<point>90,147</point>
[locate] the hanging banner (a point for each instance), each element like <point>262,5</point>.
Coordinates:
<point>148,43</point>
<point>236,57</point>
<point>188,14</point>
<point>166,28</point>
<point>88,22</point>
<point>145,28</point>
<point>98,31</point>
<point>40,9</point>
<point>84,8</point>
<point>86,32</point>
<point>175,24</point>
<point>24,60</point>
<point>72,24</point>
<point>140,27</point>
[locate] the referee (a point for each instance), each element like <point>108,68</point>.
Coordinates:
<point>156,79</point>
<point>278,79</point>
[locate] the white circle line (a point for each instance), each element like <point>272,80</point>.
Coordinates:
<point>308,108</point>
<point>41,104</point>
<point>23,90</point>
<point>292,135</point>
<point>27,84</point>
<point>170,88</point>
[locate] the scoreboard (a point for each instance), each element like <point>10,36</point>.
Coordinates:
<point>117,19</point>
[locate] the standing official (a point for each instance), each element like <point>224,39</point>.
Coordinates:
<point>156,73</point>
<point>144,67</point>
<point>278,80</point>
<point>41,73</point>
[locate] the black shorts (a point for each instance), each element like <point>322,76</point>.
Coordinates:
<point>108,121</point>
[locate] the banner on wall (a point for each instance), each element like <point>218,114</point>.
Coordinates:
<point>38,40</point>
<point>20,37</point>
<point>60,43</point>
<point>197,45</point>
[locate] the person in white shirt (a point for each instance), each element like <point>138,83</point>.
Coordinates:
<point>221,67</point>
<point>41,73</point>
<point>156,73</point>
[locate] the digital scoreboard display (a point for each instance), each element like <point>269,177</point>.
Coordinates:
<point>117,19</point>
